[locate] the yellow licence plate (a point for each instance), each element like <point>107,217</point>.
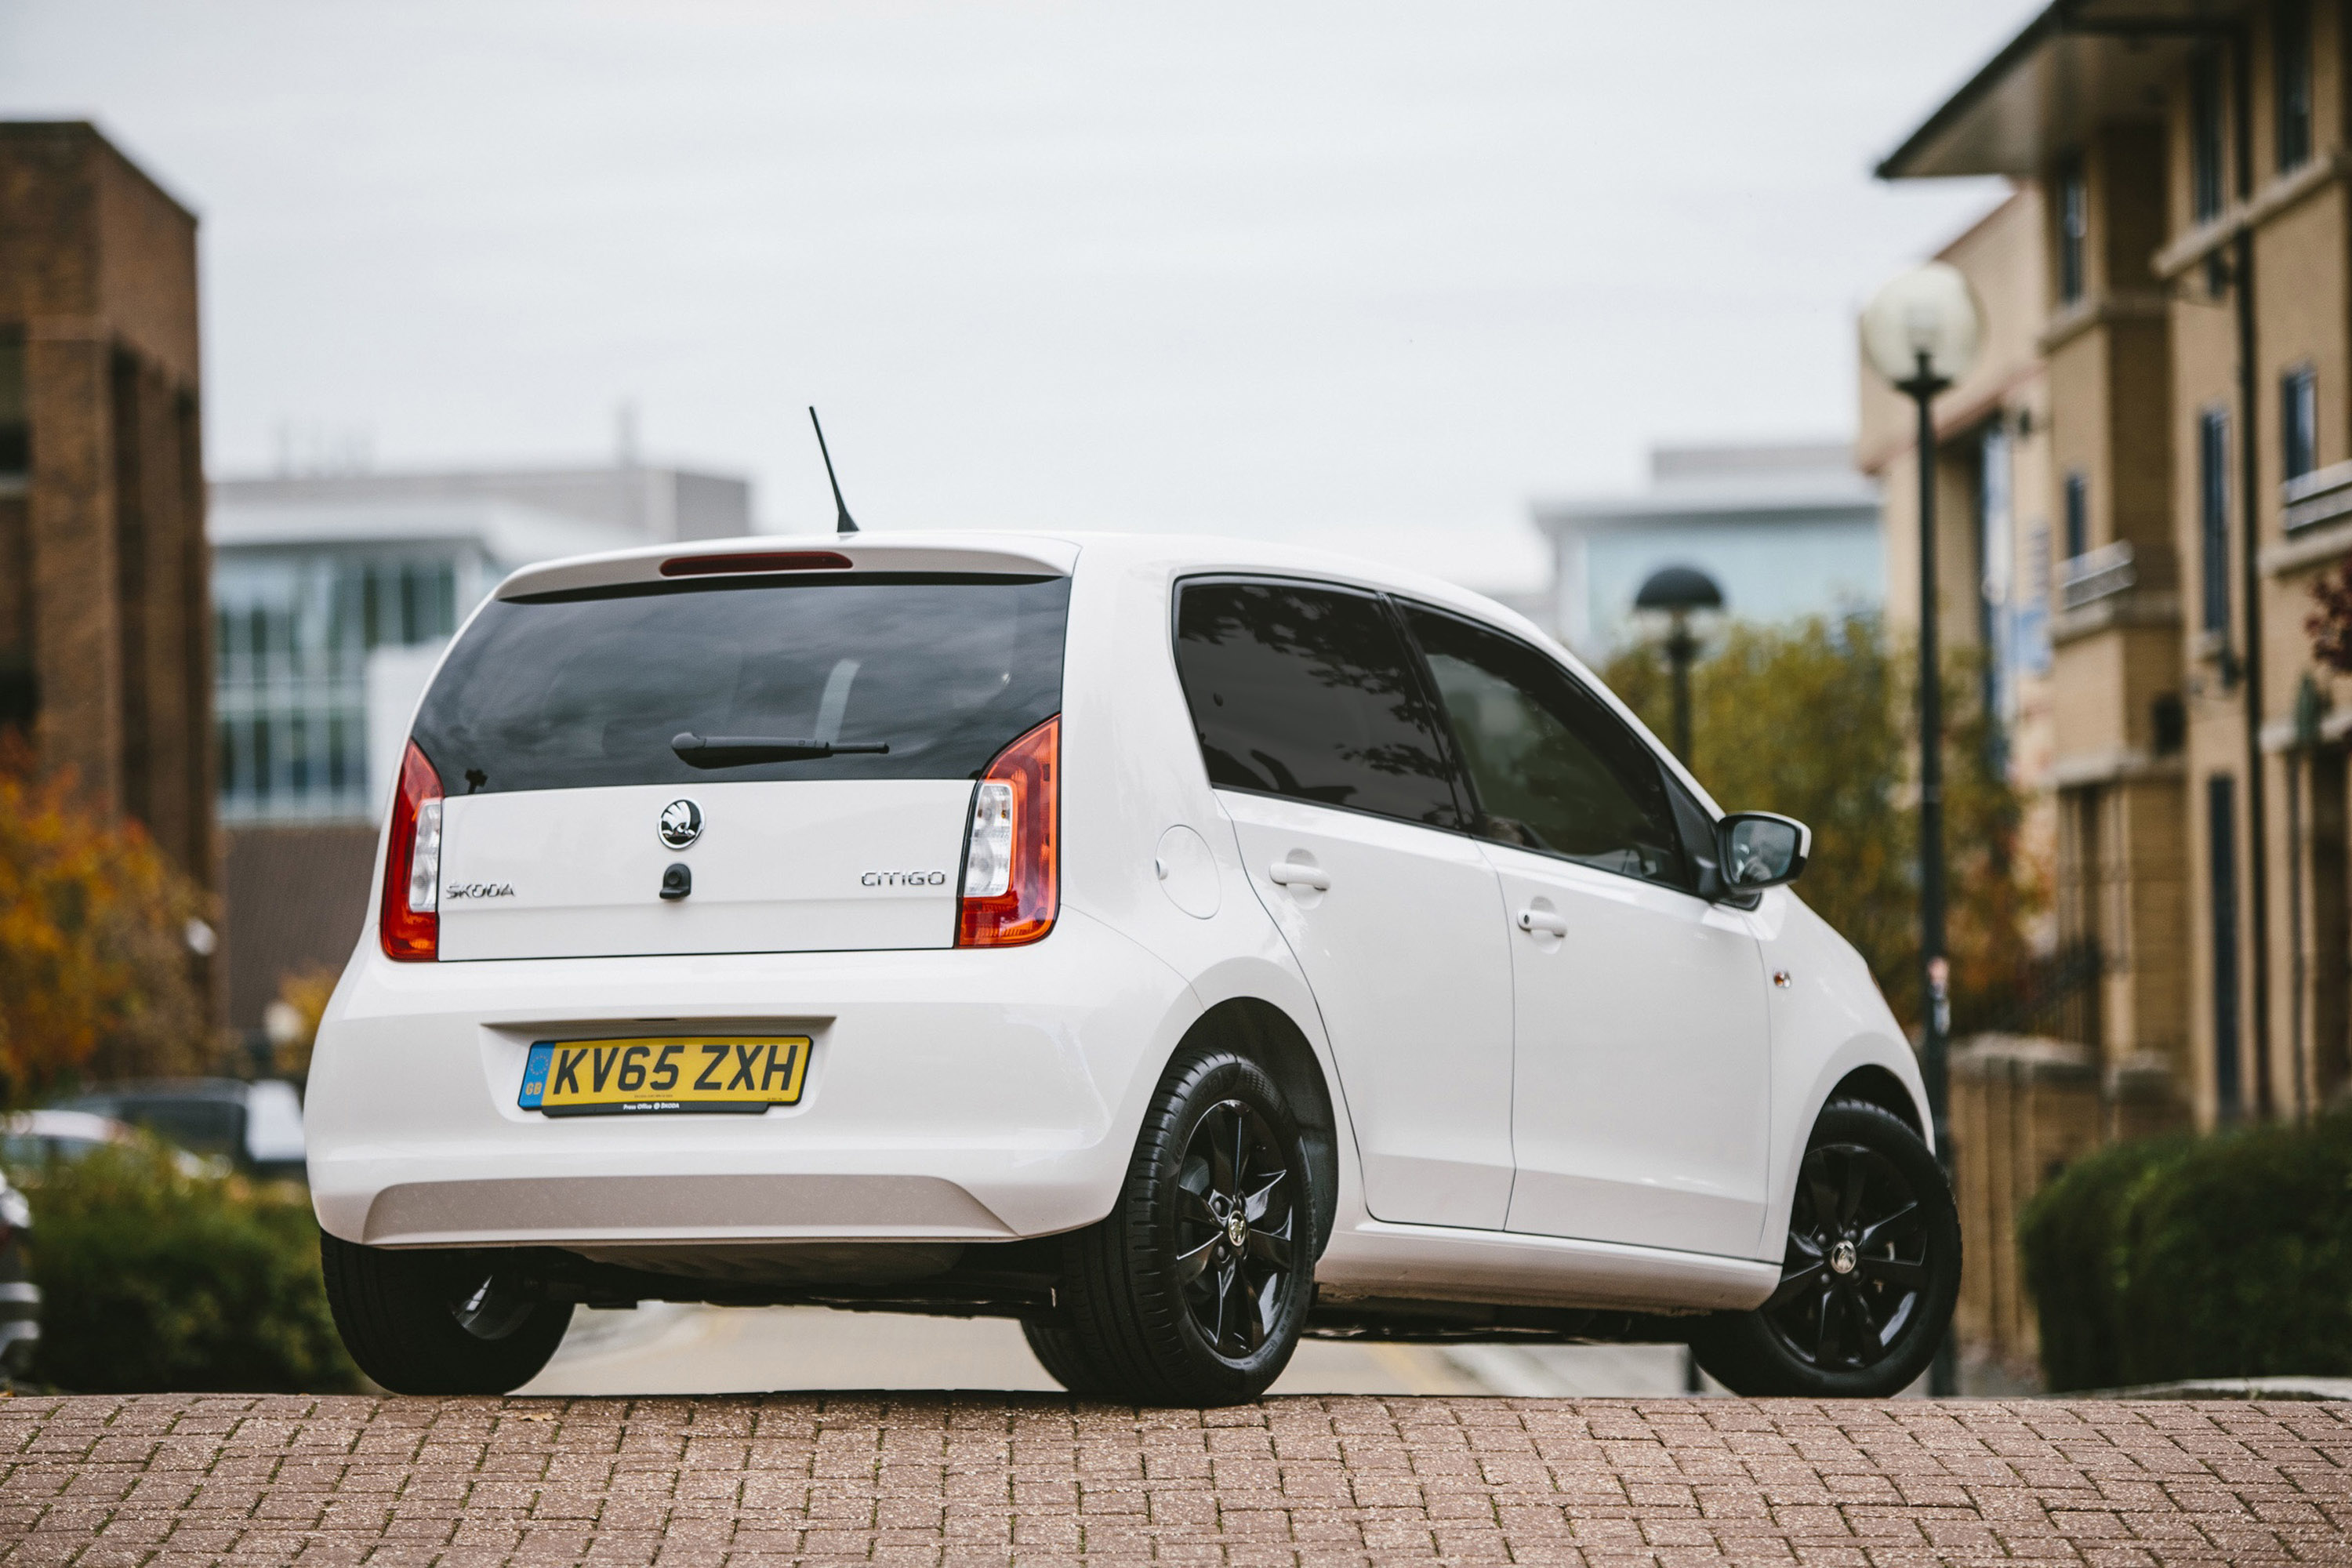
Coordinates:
<point>686,1072</point>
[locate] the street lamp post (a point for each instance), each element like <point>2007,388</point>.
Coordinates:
<point>1920,332</point>
<point>1680,592</point>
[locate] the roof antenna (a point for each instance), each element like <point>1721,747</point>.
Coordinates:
<point>841,524</point>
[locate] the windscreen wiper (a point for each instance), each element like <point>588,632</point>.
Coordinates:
<point>743,750</point>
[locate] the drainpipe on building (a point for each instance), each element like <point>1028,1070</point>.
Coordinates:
<point>2258,926</point>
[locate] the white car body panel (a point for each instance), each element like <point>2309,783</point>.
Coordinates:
<point>972,1094</point>
<point>1642,1099</point>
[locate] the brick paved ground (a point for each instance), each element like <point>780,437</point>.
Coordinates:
<point>929,1478</point>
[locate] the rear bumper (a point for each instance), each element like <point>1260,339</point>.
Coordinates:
<point>950,1095</point>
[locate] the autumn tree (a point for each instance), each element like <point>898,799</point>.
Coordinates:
<point>96,976</point>
<point>1816,721</point>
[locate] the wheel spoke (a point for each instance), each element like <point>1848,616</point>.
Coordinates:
<point>1271,1247</point>
<point>1905,1221</point>
<point>1850,1200</point>
<point>1833,1316</point>
<point>1899,1271</point>
<point>1253,1207</point>
<point>1241,1150</point>
<point>1794,1285</point>
<point>1194,1207</point>
<point>1223,1177</point>
<point>1826,1192</point>
<point>1241,1302</point>
<point>1224,1287</point>
<point>1188,1265</point>
<point>1868,1346</point>
<point>1259,1297</point>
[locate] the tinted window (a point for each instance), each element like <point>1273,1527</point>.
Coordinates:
<point>570,691</point>
<point>1552,768</point>
<point>1310,693</point>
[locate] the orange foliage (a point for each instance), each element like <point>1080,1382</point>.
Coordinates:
<point>96,978</point>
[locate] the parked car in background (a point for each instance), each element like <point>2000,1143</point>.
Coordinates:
<point>256,1127</point>
<point>32,1141</point>
<point>20,1298</point>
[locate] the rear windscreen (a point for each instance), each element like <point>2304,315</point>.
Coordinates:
<point>586,689</point>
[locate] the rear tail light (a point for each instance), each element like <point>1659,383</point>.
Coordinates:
<point>1011,867</point>
<point>410,923</point>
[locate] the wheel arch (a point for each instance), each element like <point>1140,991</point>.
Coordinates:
<point>1256,1028</point>
<point>1875,1085</point>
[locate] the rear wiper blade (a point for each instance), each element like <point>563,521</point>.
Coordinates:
<point>741,750</point>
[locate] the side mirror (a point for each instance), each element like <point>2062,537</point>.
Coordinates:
<point>1758,849</point>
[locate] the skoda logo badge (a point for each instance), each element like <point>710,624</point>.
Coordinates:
<point>681,824</point>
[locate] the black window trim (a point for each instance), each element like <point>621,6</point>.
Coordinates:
<point>1419,673</point>
<point>1467,788</point>
<point>1464,790</point>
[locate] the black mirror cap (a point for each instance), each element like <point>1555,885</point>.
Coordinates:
<point>1736,851</point>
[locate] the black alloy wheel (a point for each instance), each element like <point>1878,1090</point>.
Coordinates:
<point>1857,1260</point>
<point>1235,1204</point>
<point>1193,1289</point>
<point>441,1321</point>
<point>1870,1270</point>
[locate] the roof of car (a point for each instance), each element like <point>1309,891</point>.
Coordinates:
<point>84,1125</point>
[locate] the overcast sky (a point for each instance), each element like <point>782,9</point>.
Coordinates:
<point>1346,271</point>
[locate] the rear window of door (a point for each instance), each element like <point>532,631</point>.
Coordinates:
<point>586,688</point>
<point>1552,768</point>
<point>1309,691</point>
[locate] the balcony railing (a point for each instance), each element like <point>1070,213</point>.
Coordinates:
<point>2320,496</point>
<point>2097,574</point>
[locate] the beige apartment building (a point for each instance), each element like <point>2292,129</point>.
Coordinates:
<point>2169,294</point>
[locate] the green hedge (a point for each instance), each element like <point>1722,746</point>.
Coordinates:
<point>153,1279</point>
<point>2228,1256</point>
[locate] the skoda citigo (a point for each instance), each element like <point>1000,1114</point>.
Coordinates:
<point>1178,945</point>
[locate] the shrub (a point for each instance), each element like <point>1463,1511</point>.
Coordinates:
<point>96,976</point>
<point>2223,1256</point>
<point>156,1279</point>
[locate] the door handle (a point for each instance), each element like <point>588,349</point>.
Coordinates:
<point>1544,921</point>
<point>1290,873</point>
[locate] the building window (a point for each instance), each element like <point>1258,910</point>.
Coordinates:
<point>2291,81</point>
<point>2073,225</point>
<point>2214,515</point>
<point>2222,862</point>
<point>16,445</point>
<point>2078,515</point>
<point>2205,189</point>
<point>2299,421</point>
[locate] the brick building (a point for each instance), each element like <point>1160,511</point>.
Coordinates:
<point>105,624</point>
<point>2172,336</point>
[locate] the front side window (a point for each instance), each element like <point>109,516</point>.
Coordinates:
<point>2299,421</point>
<point>1553,769</point>
<point>1310,693</point>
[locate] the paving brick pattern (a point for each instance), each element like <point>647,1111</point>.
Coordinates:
<point>940,1478</point>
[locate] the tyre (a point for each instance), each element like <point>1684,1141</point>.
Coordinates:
<point>1872,1270</point>
<point>1193,1289</point>
<point>440,1321</point>
<point>1056,1346</point>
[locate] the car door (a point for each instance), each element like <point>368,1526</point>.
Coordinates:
<point>1316,734</point>
<point>1640,1040</point>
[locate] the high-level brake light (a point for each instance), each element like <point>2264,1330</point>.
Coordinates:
<point>756,561</point>
<point>410,921</point>
<point>1011,866</point>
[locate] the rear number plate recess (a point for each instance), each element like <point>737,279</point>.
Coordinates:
<point>737,1073</point>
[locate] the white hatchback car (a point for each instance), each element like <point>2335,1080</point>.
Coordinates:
<point>1176,944</point>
